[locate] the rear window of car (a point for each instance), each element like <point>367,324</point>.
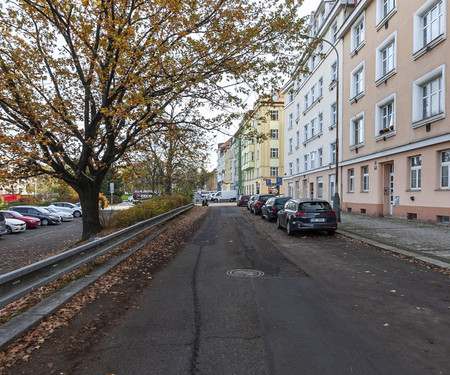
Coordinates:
<point>313,206</point>
<point>264,197</point>
<point>281,200</point>
<point>2,217</point>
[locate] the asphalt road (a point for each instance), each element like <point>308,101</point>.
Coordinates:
<point>325,305</point>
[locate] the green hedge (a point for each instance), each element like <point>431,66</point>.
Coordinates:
<point>146,210</point>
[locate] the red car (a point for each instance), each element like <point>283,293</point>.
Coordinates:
<point>243,200</point>
<point>31,222</point>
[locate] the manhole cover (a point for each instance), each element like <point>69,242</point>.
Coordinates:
<point>245,273</point>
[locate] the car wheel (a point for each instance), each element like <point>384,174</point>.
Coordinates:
<point>263,216</point>
<point>77,214</point>
<point>278,223</point>
<point>288,228</point>
<point>44,222</point>
<point>8,229</point>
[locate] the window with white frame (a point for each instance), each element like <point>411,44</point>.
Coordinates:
<point>385,9</point>
<point>274,115</point>
<point>358,33</point>
<point>290,120</point>
<point>351,180</point>
<point>429,97</point>
<point>290,97</point>
<point>333,73</point>
<point>320,122</point>
<point>320,87</point>
<point>297,165</point>
<point>305,162</point>
<point>290,145</point>
<point>274,133</point>
<point>313,94</point>
<point>445,169</point>
<point>415,164</point>
<point>365,178</point>
<point>312,159</point>
<point>429,24</point>
<point>386,58</point>
<point>319,187</point>
<point>357,130</point>
<point>273,171</point>
<point>297,138</point>
<point>313,127</point>
<point>319,157</point>
<point>357,82</point>
<point>333,32</point>
<point>306,101</point>
<point>290,169</point>
<point>305,132</point>
<point>298,111</point>
<point>385,116</point>
<point>274,152</point>
<point>333,114</point>
<point>333,153</point>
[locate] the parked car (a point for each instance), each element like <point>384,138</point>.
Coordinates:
<point>65,216</point>
<point>38,212</point>
<point>15,226</point>
<point>250,201</point>
<point>243,200</point>
<point>30,221</point>
<point>307,214</point>
<point>68,207</point>
<point>260,199</point>
<point>2,224</point>
<point>270,209</point>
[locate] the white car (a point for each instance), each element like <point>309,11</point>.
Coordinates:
<point>68,207</point>
<point>15,226</point>
<point>65,216</point>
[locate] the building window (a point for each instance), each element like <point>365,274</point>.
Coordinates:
<point>290,145</point>
<point>312,159</point>
<point>415,164</point>
<point>385,9</point>
<point>313,127</point>
<point>429,97</point>
<point>445,169</point>
<point>358,34</point>
<point>320,122</point>
<point>386,58</point>
<point>429,26</point>
<point>357,82</point>
<point>319,157</point>
<point>297,165</point>
<point>273,171</point>
<point>320,88</point>
<point>297,138</point>
<point>313,94</point>
<point>298,111</point>
<point>290,169</point>
<point>351,180</point>
<point>274,115</point>
<point>333,31</point>
<point>306,102</point>
<point>333,117</point>
<point>319,187</point>
<point>385,116</point>
<point>365,178</point>
<point>333,73</point>
<point>274,133</point>
<point>357,130</point>
<point>274,152</point>
<point>333,153</point>
<point>305,132</point>
<point>291,121</point>
<point>305,162</point>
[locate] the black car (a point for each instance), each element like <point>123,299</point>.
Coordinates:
<point>307,214</point>
<point>270,209</point>
<point>258,202</point>
<point>38,212</point>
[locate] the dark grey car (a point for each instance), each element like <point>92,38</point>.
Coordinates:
<point>270,209</point>
<point>38,212</point>
<point>306,214</point>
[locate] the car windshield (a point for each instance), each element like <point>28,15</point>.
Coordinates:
<point>282,200</point>
<point>313,206</point>
<point>51,209</point>
<point>17,214</point>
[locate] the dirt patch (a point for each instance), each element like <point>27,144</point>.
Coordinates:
<point>55,346</point>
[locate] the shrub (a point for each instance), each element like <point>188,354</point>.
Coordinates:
<point>146,210</point>
<point>26,199</point>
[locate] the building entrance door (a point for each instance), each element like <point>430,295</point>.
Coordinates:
<point>391,188</point>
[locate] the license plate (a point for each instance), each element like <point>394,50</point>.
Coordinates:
<point>320,220</point>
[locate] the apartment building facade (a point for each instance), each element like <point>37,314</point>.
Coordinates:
<point>262,158</point>
<point>396,137</point>
<point>311,109</point>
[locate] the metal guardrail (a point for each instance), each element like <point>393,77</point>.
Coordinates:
<point>18,283</point>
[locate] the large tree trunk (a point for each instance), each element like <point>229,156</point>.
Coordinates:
<point>88,192</point>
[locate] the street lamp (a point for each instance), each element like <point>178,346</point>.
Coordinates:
<point>336,199</point>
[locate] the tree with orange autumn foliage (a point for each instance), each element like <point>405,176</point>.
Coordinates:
<point>82,82</point>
